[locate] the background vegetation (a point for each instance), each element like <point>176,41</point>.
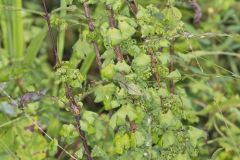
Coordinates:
<point>174,93</point>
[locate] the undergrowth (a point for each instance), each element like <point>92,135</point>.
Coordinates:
<point>114,79</point>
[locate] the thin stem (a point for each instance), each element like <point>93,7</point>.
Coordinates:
<point>112,24</point>
<point>73,105</point>
<point>132,5</point>
<point>47,18</point>
<point>171,67</point>
<point>133,8</point>
<point>91,29</point>
<point>197,9</point>
<point>75,108</point>
<point>48,136</point>
<point>155,69</point>
<point>61,34</point>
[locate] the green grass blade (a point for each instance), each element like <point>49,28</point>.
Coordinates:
<point>35,45</point>
<point>87,63</point>
<point>6,28</point>
<point>12,27</point>
<point>17,26</point>
<point>61,36</point>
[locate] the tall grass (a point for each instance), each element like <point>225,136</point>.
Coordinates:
<point>61,35</point>
<point>12,27</point>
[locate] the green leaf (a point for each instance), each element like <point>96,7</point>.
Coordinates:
<point>114,36</point>
<point>87,127</point>
<point>133,140</point>
<point>132,88</point>
<point>108,72</point>
<point>182,157</point>
<point>172,14</point>
<point>140,138</point>
<point>126,110</point>
<point>195,134</point>
<point>142,60</point>
<point>68,132</point>
<point>116,4</point>
<point>79,153</point>
<point>122,67</point>
<point>89,116</point>
<point>147,30</point>
<point>69,2</point>
<point>175,75</point>
<point>98,152</point>
<point>81,49</point>
<point>121,142</point>
<point>92,1</point>
<point>119,118</point>
<point>168,139</point>
<point>102,91</point>
<point>126,30</point>
<point>169,120</point>
<point>53,147</point>
<point>54,126</point>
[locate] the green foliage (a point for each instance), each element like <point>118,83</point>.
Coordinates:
<point>126,111</point>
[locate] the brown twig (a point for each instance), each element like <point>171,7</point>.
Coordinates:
<point>133,125</point>
<point>91,29</point>
<point>61,152</point>
<point>132,5</point>
<point>171,66</point>
<point>197,9</point>
<point>75,108</point>
<point>73,105</point>
<point>155,69</point>
<point>112,24</point>
<point>47,18</point>
<point>133,8</point>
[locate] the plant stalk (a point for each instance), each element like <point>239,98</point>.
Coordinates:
<point>132,5</point>
<point>91,29</point>
<point>155,69</point>
<point>112,24</point>
<point>171,66</point>
<point>47,18</point>
<point>197,10</point>
<point>75,108</point>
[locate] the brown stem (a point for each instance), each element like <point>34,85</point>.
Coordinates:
<point>133,8</point>
<point>91,29</point>
<point>47,18</point>
<point>133,125</point>
<point>155,69</point>
<point>171,66</point>
<point>62,152</point>
<point>197,9</point>
<point>73,105</point>
<point>112,24</point>
<point>76,111</point>
<point>132,5</point>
